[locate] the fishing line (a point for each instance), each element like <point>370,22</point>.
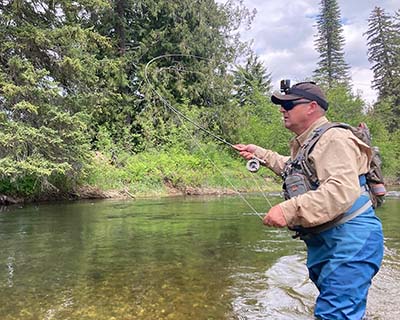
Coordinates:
<point>172,107</point>
<point>220,171</point>
<point>189,120</point>
<point>182,115</point>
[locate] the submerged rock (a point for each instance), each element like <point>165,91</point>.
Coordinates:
<point>6,200</point>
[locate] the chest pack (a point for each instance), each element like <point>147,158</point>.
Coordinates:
<point>300,175</point>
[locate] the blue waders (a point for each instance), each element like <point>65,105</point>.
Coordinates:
<point>342,262</point>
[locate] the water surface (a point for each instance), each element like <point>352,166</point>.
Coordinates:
<point>176,258</point>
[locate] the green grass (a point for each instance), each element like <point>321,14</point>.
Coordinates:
<point>155,172</point>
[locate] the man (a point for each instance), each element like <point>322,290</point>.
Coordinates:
<point>331,213</point>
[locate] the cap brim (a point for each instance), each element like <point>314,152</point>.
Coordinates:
<point>277,98</point>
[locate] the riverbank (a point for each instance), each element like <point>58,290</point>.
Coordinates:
<point>167,190</point>
<point>159,174</point>
<point>92,192</point>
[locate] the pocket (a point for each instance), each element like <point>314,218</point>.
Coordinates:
<point>296,184</point>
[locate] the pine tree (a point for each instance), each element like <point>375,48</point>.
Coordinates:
<point>143,30</point>
<point>49,73</point>
<point>383,53</point>
<point>396,34</point>
<point>251,78</point>
<point>332,68</point>
<point>381,50</point>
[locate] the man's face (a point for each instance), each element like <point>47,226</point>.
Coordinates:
<point>296,119</point>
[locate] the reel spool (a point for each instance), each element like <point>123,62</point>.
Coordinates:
<point>253,165</point>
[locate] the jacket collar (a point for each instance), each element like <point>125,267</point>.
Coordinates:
<point>298,141</point>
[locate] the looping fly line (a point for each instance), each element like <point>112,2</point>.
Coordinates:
<point>191,121</point>
<point>172,108</point>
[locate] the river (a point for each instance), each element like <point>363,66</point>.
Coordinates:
<point>172,258</point>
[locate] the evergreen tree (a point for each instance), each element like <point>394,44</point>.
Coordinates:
<point>396,24</point>
<point>251,78</point>
<point>201,33</point>
<point>332,68</point>
<point>383,53</point>
<point>49,73</point>
<point>396,19</point>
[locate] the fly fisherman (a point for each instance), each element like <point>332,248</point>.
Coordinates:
<point>331,213</point>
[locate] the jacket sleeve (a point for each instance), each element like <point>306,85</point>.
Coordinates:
<point>339,158</point>
<point>273,160</point>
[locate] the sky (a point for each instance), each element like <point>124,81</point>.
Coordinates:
<point>283,34</point>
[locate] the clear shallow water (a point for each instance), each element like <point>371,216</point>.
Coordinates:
<point>176,258</point>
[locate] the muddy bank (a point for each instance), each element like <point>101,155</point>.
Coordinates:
<point>91,192</point>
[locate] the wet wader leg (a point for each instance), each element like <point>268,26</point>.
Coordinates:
<point>343,292</point>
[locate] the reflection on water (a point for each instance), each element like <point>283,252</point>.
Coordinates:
<point>281,292</point>
<point>181,258</point>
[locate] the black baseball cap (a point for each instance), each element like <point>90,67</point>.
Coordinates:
<point>302,90</point>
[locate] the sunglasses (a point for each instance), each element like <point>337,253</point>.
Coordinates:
<point>289,105</point>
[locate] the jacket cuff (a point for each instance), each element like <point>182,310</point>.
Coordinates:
<point>289,209</point>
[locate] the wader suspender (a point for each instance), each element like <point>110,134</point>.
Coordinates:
<point>302,163</point>
<point>303,159</point>
<point>307,148</point>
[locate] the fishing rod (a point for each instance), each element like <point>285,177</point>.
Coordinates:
<point>252,165</point>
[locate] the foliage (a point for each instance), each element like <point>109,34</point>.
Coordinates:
<point>249,78</point>
<point>257,120</point>
<point>38,139</point>
<point>383,112</point>
<point>61,61</point>
<point>389,146</point>
<point>384,53</point>
<point>152,171</point>
<point>344,106</point>
<point>332,68</point>
<point>381,36</point>
<point>190,45</point>
<point>261,124</point>
<point>128,94</point>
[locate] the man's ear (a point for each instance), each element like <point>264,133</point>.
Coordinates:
<point>313,107</point>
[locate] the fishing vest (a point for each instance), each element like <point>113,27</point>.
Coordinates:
<point>300,176</point>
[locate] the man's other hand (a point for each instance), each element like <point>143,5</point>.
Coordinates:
<point>275,217</point>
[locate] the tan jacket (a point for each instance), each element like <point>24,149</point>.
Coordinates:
<point>339,158</point>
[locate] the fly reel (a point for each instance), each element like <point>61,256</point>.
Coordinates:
<point>253,165</point>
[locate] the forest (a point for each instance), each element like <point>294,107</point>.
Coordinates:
<point>88,90</point>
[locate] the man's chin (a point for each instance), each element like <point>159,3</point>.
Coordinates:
<point>286,123</point>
